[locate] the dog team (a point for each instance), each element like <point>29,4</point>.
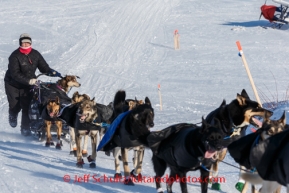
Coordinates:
<point>182,147</point>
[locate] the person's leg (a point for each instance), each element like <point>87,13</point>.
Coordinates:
<point>25,100</point>
<point>14,103</point>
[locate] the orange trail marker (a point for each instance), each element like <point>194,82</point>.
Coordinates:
<point>160,96</point>
<point>176,40</point>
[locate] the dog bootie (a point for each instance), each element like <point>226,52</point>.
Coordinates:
<point>13,120</point>
<point>216,186</point>
<point>239,186</point>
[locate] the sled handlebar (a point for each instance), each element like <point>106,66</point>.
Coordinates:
<point>40,75</point>
<point>46,74</point>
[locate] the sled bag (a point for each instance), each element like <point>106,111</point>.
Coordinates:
<point>268,12</point>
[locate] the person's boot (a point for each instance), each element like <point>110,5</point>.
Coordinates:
<point>13,120</point>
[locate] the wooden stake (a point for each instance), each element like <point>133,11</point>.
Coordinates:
<point>176,40</point>
<point>160,96</point>
<point>255,92</point>
<point>248,72</point>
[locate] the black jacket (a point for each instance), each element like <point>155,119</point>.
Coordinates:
<point>274,163</point>
<point>175,149</point>
<point>20,70</point>
<point>241,149</point>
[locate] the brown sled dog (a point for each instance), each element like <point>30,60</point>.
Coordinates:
<point>86,113</point>
<point>53,108</point>
<point>77,98</point>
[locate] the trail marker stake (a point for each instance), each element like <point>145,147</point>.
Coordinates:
<point>160,96</point>
<point>255,92</point>
<point>176,40</point>
<point>248,72</point>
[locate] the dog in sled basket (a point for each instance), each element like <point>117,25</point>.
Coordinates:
<point>45,108</point>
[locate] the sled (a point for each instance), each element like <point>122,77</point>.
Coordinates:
<point>37,125</point>
<point>278,16</point>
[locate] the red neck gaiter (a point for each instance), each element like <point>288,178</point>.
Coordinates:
<point>25,50</point>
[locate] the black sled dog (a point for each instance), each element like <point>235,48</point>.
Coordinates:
<point>264,151</point>
<point>185,147</point>
<point>234,118</point>
<point>129,129</point>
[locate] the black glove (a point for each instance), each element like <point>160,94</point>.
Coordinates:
<point>53,73</point>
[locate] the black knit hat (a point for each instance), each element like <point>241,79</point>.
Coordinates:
<point>25,38</point>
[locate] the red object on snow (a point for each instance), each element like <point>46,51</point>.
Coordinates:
<point>268,11</point>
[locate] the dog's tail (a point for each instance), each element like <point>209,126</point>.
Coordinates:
<point>119,98</point>
<point>252,178</point>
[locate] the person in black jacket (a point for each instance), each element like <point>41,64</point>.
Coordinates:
<point>19,79</point>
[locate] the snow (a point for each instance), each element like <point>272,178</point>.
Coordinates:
<point>128,45</point>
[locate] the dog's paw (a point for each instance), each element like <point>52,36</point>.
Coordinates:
<point>48,144</point>
<point>92,165</point>
<point>117,176</point>
<point>216,186</point>
<point>89,159</point>
<point>239,186</point>
<point>58,146</point>
<point>80,164</point>
<point>128,182</point>
<point>137,177</point>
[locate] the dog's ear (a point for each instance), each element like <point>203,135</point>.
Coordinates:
<point>223,103</point>
<point>244,94</point>
<point>57,100</point>
<point>241,100</point>
<point>135,102</point>
<point>283,118</point>
<point>92,100</point>
<point>85,96</point>
<point>68,78</point>
<point>147,101</point>
<point>204,126</point>
<point>75,94</point>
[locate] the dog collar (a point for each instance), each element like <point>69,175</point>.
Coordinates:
<point>60,87</point>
